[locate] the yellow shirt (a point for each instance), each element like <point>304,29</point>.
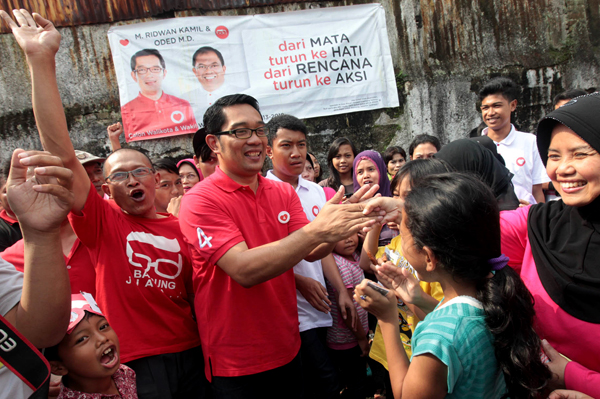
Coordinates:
<point>408,322</point>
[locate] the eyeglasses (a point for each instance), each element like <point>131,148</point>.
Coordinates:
<point>189,176</point>
<point>244,132</point>
<point>143,71</point>
<point>119,177</point>
<point>212,67</point>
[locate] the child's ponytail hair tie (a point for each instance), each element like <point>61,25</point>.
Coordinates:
<point>499,262</point>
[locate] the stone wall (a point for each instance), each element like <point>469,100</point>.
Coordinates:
<point>443,50</point>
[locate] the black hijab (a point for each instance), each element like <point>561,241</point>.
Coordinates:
<point>565,240</point>
<point>468,156</point>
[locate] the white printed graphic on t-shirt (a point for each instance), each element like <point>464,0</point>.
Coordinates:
<point>158,253</point>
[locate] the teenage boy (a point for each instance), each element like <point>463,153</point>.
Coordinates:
<point>498,100</point>
<point>246,233</point>
<point>143,271</point>
<point>39,311</point>
<point>87,358</point>
<point>423,146</point>
<point>288,150</point>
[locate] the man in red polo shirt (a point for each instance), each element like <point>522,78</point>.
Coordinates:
<point>154,112</point>
<point>143,269</point>
<point>246,233</point>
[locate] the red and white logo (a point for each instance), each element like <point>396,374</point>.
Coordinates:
<point>222,32</point>
<point>283,217</point>
<point>315,210</point>
<point>520,161</point>
<point>124,42</point>
<point>177,116</point>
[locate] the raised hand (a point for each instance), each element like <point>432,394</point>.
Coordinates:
<point>42,200</point>
<point>35,35</point>
<point>565,394</point>
<point>383,307</point>
<point>114,132</point>
<point>387,206</point>
<point>401,280</point>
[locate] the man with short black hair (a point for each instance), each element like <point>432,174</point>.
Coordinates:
<point>246,233</point>
<point>153,111</point>
<point>288,151</point>
<point>209,68</point>
<point>566,96</point>
<point>498,100</point>
<point>423,146</point>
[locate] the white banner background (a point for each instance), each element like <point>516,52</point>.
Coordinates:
<point>338,61</point>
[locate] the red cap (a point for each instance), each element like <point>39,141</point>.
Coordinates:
<point>81,303</point>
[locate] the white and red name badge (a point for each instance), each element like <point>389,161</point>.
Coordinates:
<point>283,217</point>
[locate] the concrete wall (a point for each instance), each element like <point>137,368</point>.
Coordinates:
<point>443,50</point>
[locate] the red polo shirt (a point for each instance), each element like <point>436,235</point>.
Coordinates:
<point>143,277</point>
<point>243,330</point>
<point>79,265</point>
<point>144,118</point>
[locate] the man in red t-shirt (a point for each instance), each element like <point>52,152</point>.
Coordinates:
<point>246,233</point>
<point>154,112</point>
<point>143,270</point>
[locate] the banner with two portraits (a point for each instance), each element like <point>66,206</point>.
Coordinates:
<point>304,63</point>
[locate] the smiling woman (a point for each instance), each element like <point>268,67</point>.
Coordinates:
<point>556,246</point>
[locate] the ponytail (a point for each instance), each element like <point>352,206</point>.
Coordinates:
<point>508,307</point>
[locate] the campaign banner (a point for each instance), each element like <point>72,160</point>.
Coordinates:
<point>306,63</point>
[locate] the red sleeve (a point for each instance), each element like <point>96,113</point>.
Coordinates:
<point>578,378</point>
<point>95,213</point>
<point>207,227</point>
<point>513,229</point>
<point>15,255</point>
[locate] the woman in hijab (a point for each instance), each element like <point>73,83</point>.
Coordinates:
<point>369,168</point>
<point>189,173</point>
<point>466,155</point>
<point>556,246</point>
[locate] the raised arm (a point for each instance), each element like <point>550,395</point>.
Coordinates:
<point>254,266</point>
<point>40,41</point>
<point>114,132</point>
<point>41,205</point>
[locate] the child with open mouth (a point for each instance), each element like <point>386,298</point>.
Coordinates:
<point>88,356</point>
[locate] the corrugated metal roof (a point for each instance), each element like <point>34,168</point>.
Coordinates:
<point>82,12</point>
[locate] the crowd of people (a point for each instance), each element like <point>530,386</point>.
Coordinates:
<point>467,270</point>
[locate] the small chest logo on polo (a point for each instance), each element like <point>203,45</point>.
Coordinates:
<point>520,161</point>
<point>283,217</point>
<point>315,210</point>
<point>177,117</point>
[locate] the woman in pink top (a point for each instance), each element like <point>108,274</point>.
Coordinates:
<point>556,246</point>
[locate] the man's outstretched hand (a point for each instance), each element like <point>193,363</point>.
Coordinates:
<point>43,199</point>
<point>35,35</point>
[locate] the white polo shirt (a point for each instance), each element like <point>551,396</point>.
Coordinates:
<point>312,198</point>
<point>522,158</point>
